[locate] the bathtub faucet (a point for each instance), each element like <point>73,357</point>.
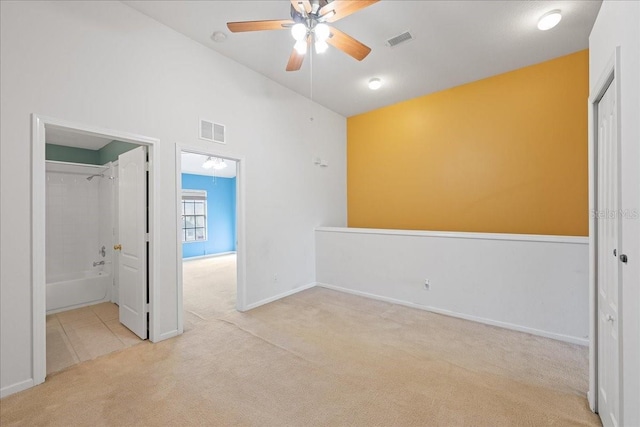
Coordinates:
<point>95,264</point>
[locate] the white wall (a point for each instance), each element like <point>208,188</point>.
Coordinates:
<point>618,24</point>
<point>536,284</point>
<point>104,64</point>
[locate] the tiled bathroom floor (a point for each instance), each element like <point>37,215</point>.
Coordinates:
<point>85,333</point>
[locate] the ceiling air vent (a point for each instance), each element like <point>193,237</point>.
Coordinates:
<point>210,131</point>
<point>400,38</point>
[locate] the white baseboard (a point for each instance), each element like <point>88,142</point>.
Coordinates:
<point>166,336</point>
<point>15,388</point>
<point>193,258</point>
<point>559,337</point>
<point>279,296</point>
<point>591,401</point>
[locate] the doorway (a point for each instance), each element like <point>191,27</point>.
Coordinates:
<point>73,223</point>
<point>82,320</point>
<point>209,241</point>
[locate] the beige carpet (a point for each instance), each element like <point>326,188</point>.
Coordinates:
<point>320,358</point>
<point>209,289</point>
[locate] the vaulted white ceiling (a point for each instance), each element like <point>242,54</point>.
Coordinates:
<point>456,42</point>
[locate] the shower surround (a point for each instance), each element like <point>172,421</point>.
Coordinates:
<point>79,235</point>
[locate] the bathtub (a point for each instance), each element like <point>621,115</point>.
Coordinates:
<point>73,290</point>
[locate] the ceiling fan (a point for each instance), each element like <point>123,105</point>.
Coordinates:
<point>308,24</point>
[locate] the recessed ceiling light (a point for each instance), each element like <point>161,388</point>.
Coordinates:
<point>218,36</point>
<point>549,20</point>
<point>375,83</point>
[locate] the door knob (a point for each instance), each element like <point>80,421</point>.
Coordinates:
<point>117,247</point>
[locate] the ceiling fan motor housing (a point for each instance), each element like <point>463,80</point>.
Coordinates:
<point>316,5</point>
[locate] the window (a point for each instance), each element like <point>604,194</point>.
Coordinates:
<point>194,215</point>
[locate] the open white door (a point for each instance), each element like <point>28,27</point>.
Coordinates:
<point>607,224</point>
<point>132,232</point>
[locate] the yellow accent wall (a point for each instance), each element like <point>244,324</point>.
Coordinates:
<point>507,154</point>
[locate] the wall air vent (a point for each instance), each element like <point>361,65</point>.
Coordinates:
<point>210,131</point>
<point>400,38</point>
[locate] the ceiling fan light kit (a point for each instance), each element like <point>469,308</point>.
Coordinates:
<point>322,31</point>
<point>321,46</point>
<point>299,31</point>
<point>309,24</point>
<point>214,163</point>
<point>300,47</point>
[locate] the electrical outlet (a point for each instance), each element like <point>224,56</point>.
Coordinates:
<point>427,285</point>
<point>275,277</point>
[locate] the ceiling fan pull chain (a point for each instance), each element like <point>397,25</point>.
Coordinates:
<point>311,74</point>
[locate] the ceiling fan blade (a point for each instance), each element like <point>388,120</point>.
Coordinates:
<point>339,9</point>
<point>348,44</point>
<point>277,24</point>
<point>306,5</point>
<point>295,61</point>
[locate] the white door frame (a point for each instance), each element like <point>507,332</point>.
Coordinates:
<point>241,302</point>
<point>38,221</point>
<point>607,74</point>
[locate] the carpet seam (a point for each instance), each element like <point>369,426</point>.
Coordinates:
<point>265,340</point>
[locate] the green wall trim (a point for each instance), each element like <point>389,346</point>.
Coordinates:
<point>108,153</point>
<point>111,151</point>
<point>61,153</point>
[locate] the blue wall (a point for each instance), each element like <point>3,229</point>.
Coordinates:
<point>221,215</point>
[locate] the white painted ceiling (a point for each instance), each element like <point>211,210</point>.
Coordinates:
<point>192,163</point>
<point>70,138</point>
<point>456,42</point>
